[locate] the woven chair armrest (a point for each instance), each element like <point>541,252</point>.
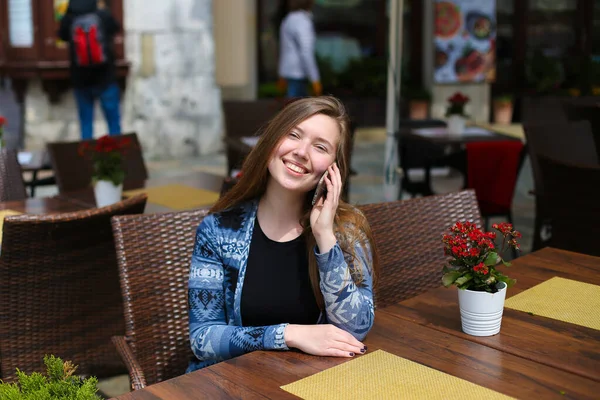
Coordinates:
<point>136,375</point>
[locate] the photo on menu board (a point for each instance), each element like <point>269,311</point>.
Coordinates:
<point>465,41</point>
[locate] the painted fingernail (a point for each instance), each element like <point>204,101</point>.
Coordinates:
<point>351,354</point>
<point>362,350</point>
<point>365,348</point>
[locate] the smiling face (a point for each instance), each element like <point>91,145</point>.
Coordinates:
<point>305,153</point>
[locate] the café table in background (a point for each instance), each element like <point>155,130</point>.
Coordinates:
<point>197,180</point>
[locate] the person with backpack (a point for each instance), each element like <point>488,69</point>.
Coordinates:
<point>90,30</point>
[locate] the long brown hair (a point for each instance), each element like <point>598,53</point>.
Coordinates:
<point>350,223</point>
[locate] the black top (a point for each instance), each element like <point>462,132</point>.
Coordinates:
<point>97,76</point>
<point>277,287</point>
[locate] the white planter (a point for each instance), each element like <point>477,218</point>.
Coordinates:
<point>456,124</point>
<point>107,193</point>
<point>481,312</point>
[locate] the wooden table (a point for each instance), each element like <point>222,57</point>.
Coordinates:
<point>199,180</point>
<point>554,343</point>
<point>531,357</point>
<point>46,205</point>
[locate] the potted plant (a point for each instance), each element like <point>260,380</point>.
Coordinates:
<point>108,173</point>
<point>60,383</point>
<point>455,112</point>
<point>418,104</point>
<point>472,267</point>
<point>503,109</point>
<point>2,123</point>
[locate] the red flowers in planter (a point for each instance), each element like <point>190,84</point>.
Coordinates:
<point>474,256</point>
<point>457,104</point>
<point>106,154</point>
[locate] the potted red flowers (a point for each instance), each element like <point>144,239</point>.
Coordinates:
<point>472,267</point>
<point>108,173</point>
<point>2,123</point>
<point>456,113</point>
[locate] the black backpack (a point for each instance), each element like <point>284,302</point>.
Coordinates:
<point>88,40</point>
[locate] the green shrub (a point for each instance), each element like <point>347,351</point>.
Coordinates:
<point>60,383</point>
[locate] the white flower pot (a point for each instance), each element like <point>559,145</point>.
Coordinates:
<point>456,124</point>
<point>481,312</point>
<point>107,193</point>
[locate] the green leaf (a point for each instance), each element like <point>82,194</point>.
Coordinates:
<point>492,259</point>
<point>464,279</point>
<point>449,277</point>
<point>506,263</point>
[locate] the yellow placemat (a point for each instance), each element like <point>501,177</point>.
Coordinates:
<point>177,197</point>
<point>381,375</point>
<point>6,213</point>
<point>562,299</point>
<point>513,130</point>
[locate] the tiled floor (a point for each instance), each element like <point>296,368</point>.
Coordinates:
<point>365,187</point>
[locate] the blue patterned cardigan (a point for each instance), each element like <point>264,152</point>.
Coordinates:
<point>217,277</point>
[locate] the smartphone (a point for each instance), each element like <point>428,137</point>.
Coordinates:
<point>321,189</point>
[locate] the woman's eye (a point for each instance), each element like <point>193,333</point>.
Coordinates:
<point>294,135</point>
<point>322,148</point>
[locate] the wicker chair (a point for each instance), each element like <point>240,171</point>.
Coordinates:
<point>74,172</point>
<point>11,179</point>
<point>408,235</point>
<point>570,195</point>
<point>59,290</point>
<point>154,253</point>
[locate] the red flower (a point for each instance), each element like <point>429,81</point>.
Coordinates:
<point>2,121</point>
<point>481,268</point>
<point>458,98</point>
<point>473,255</point>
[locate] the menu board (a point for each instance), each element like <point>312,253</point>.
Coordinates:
<point>465,41</point>
<point>20,23</point>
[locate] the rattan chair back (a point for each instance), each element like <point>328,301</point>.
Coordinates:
<point>59,290</point>
<point>570,196</point>
<point>408,236</point>
<point>11,178</point>
<point>74,171</point>
<point>154,252</point>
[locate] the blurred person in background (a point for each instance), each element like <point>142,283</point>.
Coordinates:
<point>297,61</point>
<point>89,28</point>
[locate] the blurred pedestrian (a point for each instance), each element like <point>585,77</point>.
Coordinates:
<point>297,61</point>
<point>89,28</point>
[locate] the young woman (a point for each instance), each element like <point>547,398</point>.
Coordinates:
<point>269,270</point>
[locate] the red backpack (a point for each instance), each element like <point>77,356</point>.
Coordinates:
<point>88,40</point>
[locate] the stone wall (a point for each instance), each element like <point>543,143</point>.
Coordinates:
<point>171,101</point>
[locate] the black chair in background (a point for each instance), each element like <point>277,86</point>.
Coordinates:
<point>571,204</point>
<point>418,154</point>
<point>570,142</point>
<point>590,113</point>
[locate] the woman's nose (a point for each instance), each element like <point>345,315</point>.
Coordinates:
<point>301,149</point>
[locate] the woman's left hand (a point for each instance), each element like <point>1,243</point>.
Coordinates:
<point>323,213</point>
